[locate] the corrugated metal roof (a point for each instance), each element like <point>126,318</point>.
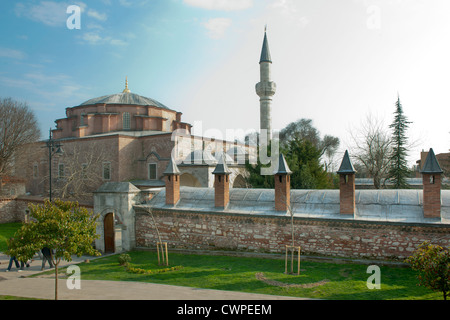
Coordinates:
<point>371,205</point>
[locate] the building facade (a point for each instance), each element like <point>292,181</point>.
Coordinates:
<point>125,137</point>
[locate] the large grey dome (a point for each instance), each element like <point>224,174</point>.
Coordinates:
<point>125,98</point>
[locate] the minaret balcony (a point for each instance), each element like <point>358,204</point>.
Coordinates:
<point>266,88</point>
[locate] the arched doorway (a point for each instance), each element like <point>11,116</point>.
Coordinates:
<point>188,180</point>
<point>239,182</point>
<point>108,225</point>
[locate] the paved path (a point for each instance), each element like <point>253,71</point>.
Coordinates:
<point>15,283</point>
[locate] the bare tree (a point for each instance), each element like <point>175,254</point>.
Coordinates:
<point>18,128</point>
<point>371,148</point>
<point>82,170</point>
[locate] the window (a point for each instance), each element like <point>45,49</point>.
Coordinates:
<point>61,170</point>
<point>126,121</point>
<point>152,171</point>
<point>84,167</point>
<point>106,170</point>
<point>35,171</point>
<point>82,119</point>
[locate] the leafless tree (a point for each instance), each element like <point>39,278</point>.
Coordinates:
<point>18,129</point>
<point>82,170</point>
<point>371,148</point>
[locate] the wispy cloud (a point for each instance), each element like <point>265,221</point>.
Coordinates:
<point>97,15</point>
<point>50,13</point>
<point>222,5</point>
<point>217,26</point>
<point>12,54</point>
<point>290,12</point>
<point>94,38</point>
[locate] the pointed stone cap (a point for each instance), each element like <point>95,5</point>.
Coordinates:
<point>346,165</point>
<point>221,167</point>
<point>265,53</point>
<point>283,167</point>
<point>431,164</point>
<point>172,168</point>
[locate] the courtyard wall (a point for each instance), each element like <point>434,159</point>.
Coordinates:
<point>260,233</point>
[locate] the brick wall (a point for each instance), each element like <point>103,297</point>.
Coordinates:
<point>172,189</point>
<point>282,192</point>
<point>347,193</point>
<point>222,190</point>
<point>340,238</point>
<point>432,195</point>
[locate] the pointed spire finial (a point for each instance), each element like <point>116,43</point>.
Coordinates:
<point>265,52</point>
<point>126,90</point>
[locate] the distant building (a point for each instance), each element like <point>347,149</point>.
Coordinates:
<point>126,137</point>
<point>443,158</point>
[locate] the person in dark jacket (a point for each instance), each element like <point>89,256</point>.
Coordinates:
<point>12,259</point>
<point>46,256</point>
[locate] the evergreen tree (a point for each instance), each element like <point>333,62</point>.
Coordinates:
<point>398,171</point>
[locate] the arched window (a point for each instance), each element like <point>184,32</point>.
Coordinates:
<point>126,121</point>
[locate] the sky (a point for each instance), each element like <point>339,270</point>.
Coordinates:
<point>334,62</point>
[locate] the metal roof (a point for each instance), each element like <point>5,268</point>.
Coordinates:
<point>172,168</point>
<point>371,205</point>
<point>346,165</point>
<point>265,52</point>
<point>282,167</point>
<point>221,167</point>
<point>125,98</point>
<point>431,164</point>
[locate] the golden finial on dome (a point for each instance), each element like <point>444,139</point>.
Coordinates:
<point>126,90</point>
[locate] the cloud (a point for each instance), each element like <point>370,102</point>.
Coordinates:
<point>97,15</point>
<point>50,13</point>
<point>222,5</point>
<point>125,3</point>
<point>217,26</point>
<point>11,53</point>
<point>94,38</point>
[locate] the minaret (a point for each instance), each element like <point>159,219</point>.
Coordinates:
<point>266,88</point>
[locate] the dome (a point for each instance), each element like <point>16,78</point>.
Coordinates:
<point>125,98</point>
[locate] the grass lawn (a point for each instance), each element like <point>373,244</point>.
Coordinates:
<point>7,230</point>
<point>317,279</point>
<point>257,275</point>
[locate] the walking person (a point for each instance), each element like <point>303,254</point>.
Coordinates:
<point>46,256</point>
<point>13,259</point>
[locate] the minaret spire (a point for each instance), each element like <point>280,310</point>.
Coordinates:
<point>266,88</point>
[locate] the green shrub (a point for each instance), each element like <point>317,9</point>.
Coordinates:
<point>124,259</point>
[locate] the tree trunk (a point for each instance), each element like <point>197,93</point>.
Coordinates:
<point>56,282</point>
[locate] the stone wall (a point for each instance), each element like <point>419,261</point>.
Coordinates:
<point>339,238</point>
<point>8,210</point>
<point>16,209</point>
